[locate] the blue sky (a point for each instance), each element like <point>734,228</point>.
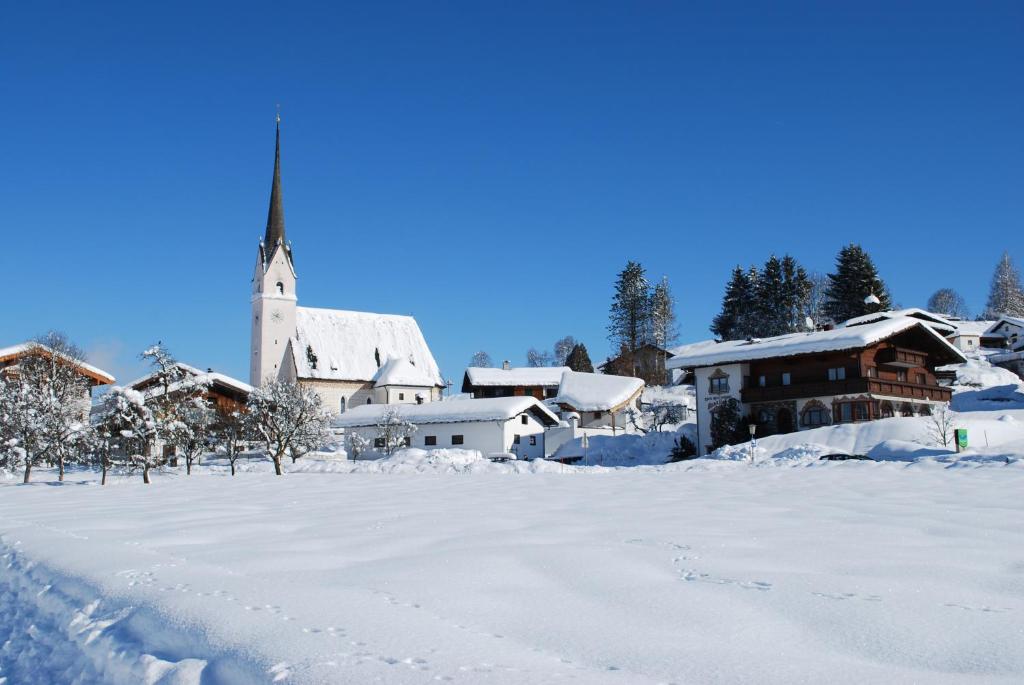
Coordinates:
<point>490,168</point>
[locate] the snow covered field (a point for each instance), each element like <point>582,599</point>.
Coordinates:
<point>705,571</point>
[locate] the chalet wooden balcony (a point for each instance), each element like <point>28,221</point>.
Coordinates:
<point>900,357</point>
<point>850,386</point>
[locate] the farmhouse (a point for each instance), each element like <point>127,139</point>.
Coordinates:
<point>806,380</point>
<point>11,357</point>
<point>540,382</point>
<point>340,354</point>
<point>493,426</point>
<point>224,393</point>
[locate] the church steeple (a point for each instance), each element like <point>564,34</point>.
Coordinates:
<point>275,216</point>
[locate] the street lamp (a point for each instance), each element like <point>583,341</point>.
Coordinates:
<point>752,427</point>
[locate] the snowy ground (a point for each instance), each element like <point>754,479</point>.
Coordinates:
<point>706,571</point>
<point>444,567</point>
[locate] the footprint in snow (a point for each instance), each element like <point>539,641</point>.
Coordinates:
<point>848,595</point>
<point>985,609</point>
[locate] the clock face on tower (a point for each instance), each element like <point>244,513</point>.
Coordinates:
<point>276,316</point>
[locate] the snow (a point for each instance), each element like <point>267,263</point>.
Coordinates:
<point>347,343</point>
<point>485,409</point>
<point>979,373</point>
<point>527,376</point>
<point>1011,320</point>
<point>791,344</point>
<point>596,392</point>
<point>18,350</point>
<point>703,571</point>
<point>936,321</point>
<point>401,372</point>
<point>203,377</point>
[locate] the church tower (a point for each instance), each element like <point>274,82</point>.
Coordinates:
<point>273,289</point>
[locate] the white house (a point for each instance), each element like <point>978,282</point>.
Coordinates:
<point>600,401</point>
<point>337,353</point>
<point>1009,329</point>
<point>492,426</point>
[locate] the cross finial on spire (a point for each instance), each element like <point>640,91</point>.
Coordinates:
<point>278,117</point>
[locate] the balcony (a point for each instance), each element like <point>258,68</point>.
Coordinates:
<point>850,386</point>
<point>901,358</point>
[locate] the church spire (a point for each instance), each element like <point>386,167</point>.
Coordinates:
<point>275,216</point>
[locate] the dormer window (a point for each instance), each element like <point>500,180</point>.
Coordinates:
<point>280,288</point>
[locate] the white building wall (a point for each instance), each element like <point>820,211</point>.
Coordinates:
<point>273,317</point>
<point>705,399</point>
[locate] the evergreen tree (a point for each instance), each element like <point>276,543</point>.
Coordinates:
<point>1006,295</point>
<point>770,301</point>
<point>630,315</point>
<point>728,426</point>
<point>579,360</point>
<point>948,302</point>
<point>797,287</point>
<point>738,303</point>
<point>854,280</point>
<point>663,315</point>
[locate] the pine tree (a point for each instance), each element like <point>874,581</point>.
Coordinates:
<point>1006,295</point>
<point>579,360</point>
<point>854,280</point>
<point>630,315</point>
<point>770,301</point>
<point>663,315</point>
<point>797,287</point>
<point>738,303</point>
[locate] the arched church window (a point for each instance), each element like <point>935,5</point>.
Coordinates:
<point>369,400</point>
<point>341,408</point>
<point>280,288</point>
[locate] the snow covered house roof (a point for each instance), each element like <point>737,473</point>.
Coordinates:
<point>690,348</point>
<point>972,327</point>
<point>13,352</point>
<point>212,377</point>
<point>596,392</point>
<point>1004,319</point>
<point>527,376</point>
<point>793,344</point>
<point>401,372</point>
<point>334,344</point>
<point>936,321</point>
<point>498,409</point>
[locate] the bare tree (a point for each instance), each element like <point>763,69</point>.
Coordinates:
<point>393,431</point>
<point>940,425</point>
<point>948,302</point>
<point>288,419</point>
<point>126,420</point>
<point>230,435</point>
<point>189,428</point>
<point>816,298</point>
<point>535,357</point>
<point>652,417</point>
<point>482,360</point>
<point>356,444</point>
<point>563,347</point>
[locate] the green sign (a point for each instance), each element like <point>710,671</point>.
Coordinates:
<point>961,438</point>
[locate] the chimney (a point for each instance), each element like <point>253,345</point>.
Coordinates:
<point>506,365</point>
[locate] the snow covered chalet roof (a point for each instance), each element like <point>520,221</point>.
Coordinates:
<point>210,376</point>
<point>936,321</point>
<point>792,344</point>
<point>456,411</point>
<point>525,376</point>
<point>595,391</point>
<point>1012,320</point>
<point>96,373</point>
<point>401,372</point>
<point>352,346</point>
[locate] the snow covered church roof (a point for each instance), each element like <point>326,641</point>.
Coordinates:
<point>334,344</point>
<point>793,344</point>
<point>401,372</point>
<point>453,411</point>
<point>14,351</point>
<point>526,376</point>
<point>595,391</point>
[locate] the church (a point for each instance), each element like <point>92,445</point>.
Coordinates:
<point>349,358</point>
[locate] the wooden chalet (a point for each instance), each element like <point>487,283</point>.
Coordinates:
<point>539,382</point>
<point>800,381</point>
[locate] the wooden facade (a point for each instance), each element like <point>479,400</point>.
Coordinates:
<point>895,377</point>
